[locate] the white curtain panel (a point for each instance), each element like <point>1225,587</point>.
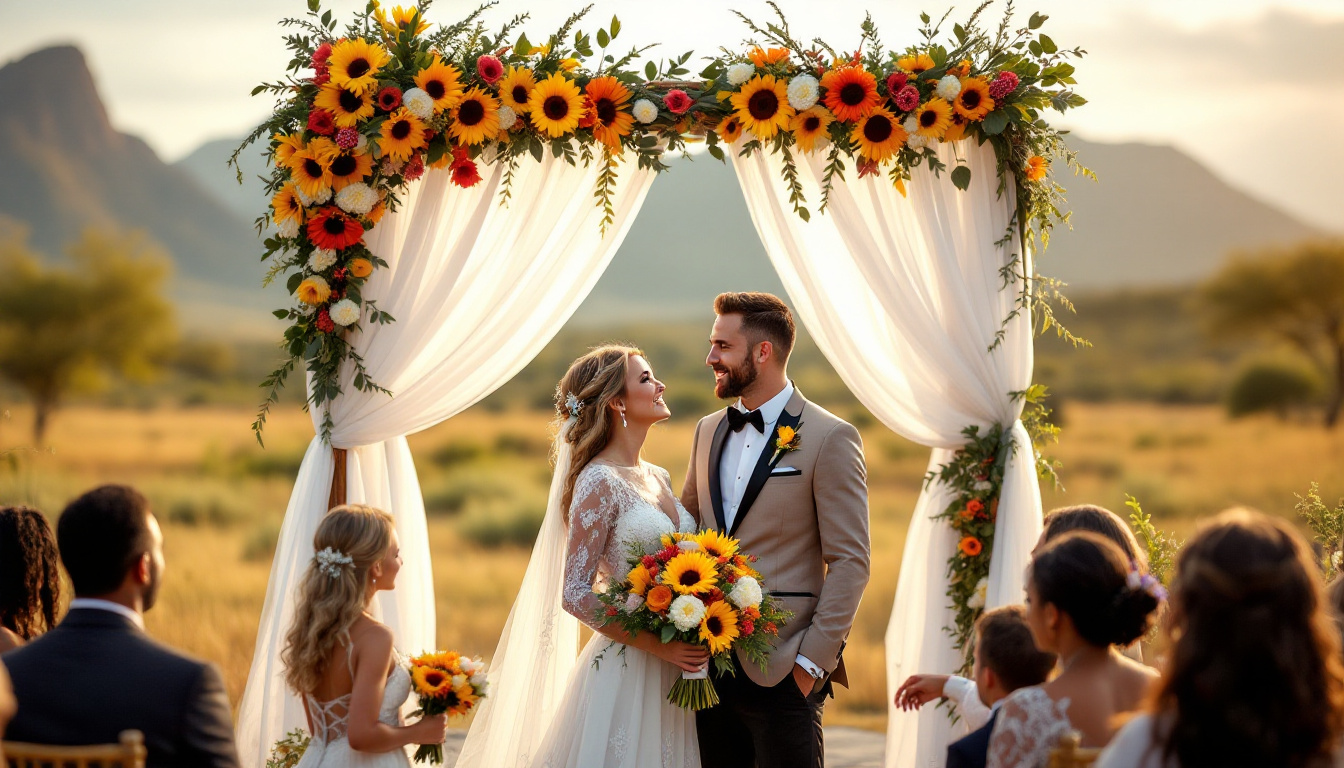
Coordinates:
<point>476,290</point>
<point>904,297</point>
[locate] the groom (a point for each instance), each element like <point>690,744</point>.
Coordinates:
<point>803,512</point>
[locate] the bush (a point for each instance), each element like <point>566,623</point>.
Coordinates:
<point>1271,387</point>
<point>503,524</point>
<point>260,543</point>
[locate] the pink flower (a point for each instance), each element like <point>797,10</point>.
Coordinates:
<point>347,138</point>
<point>321,55</point>
<point>907,98</point>
<point>321,122</point>
<point>415,168</point>
<point>896,81</point>
<point>676,101</point>
<point>490,68</point>
<point>1003,85</point>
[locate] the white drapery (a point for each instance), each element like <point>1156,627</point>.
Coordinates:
<point>904,297</point>
<point>476,290</point>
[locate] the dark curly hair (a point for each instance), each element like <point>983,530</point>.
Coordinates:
<point>30,583</point>
<point>1086,576</point>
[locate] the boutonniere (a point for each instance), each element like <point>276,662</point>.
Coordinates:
<point>787,440</point>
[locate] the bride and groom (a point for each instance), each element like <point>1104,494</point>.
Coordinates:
<point>803,513</point>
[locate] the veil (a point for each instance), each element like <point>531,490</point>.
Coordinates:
<point>537,651</point>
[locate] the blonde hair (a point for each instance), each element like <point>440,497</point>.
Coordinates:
<point>328,604</point>
<point>594,380</point>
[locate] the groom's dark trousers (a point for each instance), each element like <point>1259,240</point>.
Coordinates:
<point>754,726</point>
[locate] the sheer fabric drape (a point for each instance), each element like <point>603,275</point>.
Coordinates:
<point>476,290</point>
<point>904,297</point>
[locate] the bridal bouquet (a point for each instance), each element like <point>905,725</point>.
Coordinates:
<point>445,683</point>
<point>697,588</point>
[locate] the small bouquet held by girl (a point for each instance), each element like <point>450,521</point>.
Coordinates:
<point>445,682</point>
<point>697,588</point>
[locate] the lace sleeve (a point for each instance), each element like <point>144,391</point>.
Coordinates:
<point>592,516</point>
<point>1029,725</point>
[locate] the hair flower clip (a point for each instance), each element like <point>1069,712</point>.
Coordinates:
<point>574,405</point>
<point>330,562</point>
<point>1146,582</point>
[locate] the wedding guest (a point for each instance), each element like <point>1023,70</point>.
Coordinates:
<point>1006,659</point>
<point>98,673</point>
<point>1254,675</point>
<point>7,705</point>
<point>340,660</point>
<point>1084,597</point>
<point>1099,520</point>
<point>30,584</point>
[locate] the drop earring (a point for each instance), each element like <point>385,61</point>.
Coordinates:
<point>623,424</point>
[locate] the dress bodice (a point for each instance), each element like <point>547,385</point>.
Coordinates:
<point>1029,725</point>
<point>331,719</point>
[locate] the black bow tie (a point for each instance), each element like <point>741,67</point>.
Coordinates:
<point>737,420</point>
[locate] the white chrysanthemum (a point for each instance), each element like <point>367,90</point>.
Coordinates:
<point>507,117</point>
<point>740,73</point>
<point>949,87</point>
<point>686,612</point>
<point>645,111</point>
<point>911,125</point>
<point>803,92</point>
<point>287,228</point>
<point>977,598</point>
<point>917,141</point>
<point>689,545</point>
<point>746,593</point>
<point>418,103</point>
<point>322,259</point>
<point>358,198</point>
<point>307,201</point>
<point>478,681</point>
<point>323,195</point>
<point>344,312</point>
<point>983,485</point>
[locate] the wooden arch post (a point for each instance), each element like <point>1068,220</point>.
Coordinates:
<point>338,479</point>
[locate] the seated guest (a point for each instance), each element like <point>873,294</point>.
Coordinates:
<point>1006,659</point>
<point>7,705</point>
<point>97,673</point>
<point>30,584</point>
<point>1253,675</point>
<point>1084,598</point>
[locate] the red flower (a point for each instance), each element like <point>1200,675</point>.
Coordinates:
<point>611,611</point>
<point>334,229</point>
<point>895,82</point>
<point>771,628</point>
<point>465,174</point>
<point>1003,85</point>
<point>415,168</point>
<point>347,138</point>
<point>324,323</point>
<point>323,76</point>
<point>974,506</point>
<point>338,273</point>
<point>715,596</point>
<point>867,168</point>
<point>746,627</point>
<point>321,55</point>
<point>321,121</point>
<point>649,562</point>
<point>907,98</point>
<point>589,118</point>
<point>676,101</point>
<point>389,98</point>
<point>489,68</point>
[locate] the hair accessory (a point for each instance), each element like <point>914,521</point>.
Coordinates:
<point>330,562</point>
<point>574,405</point>
<point>1146,582</point>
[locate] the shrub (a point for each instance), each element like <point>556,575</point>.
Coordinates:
<point>1273,387</point>
<point>503,524</point>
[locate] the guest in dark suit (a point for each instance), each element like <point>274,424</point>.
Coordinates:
<point>1006,659</point>
<point>97,673</point>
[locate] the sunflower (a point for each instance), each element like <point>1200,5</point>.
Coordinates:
<point>729,129</point>
<point>933,118</point>
<point>809,127</point>
<point>403,133</point>
<point>286,145</point>
<point>286,204</point>
<point>515,90</point>
<point>557,106</point>
<point>639,579</point>
<point>973,103</point>
<point>402,18</point>
<point>334,229</point>
<point>348,167</point>
<point>851,93</point>
<point>689,572</point>
<point>354,64</point>
<point>348,107</point>
<point>1037,167</point>
<point>878,136</point>
<point>763,106</point>
<point>461,699</point>
<point>442,82</point>
<point>430,681</point>
<point>719,627</point>
<point>475,118</point>
<point>612,121</point>
<point>957,130</point>
<point>716,544</point>
<point>915,63</point>
<point>310,167</point>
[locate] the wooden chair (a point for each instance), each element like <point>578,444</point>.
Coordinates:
<point>1070,755</point>
<point>128,753</point>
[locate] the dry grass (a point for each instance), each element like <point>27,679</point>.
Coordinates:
<point>222,499</point>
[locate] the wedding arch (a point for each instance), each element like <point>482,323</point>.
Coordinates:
<point>425,219</point>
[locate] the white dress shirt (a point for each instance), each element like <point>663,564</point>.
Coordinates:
<point>108,605</point>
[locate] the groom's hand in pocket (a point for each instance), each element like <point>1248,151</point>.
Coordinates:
<point>804,680</point>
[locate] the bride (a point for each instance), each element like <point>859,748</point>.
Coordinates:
<point>551,707</point>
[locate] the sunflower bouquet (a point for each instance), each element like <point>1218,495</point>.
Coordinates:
<point>697,588</point>
<point>445,682</point>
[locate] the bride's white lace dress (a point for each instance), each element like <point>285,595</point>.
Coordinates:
<point>615,712</point>
<point>1029,725</point>
<point>330,746</point>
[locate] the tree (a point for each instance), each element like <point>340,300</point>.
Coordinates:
<point>66,327</point>
<point>1295,294</point>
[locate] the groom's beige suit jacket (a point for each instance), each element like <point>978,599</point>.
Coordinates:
<point>804,514</point>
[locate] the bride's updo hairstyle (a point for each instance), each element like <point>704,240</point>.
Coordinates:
<point>586,391</point>
<point>1254,674</point>
<point>334,590</point>
<point>1088,577</point>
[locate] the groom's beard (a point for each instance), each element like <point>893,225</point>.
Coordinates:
<point>736,380</point>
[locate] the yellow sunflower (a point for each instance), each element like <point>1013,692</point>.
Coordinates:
<point>348,107</point>
<point>719,626</point>
<point>611,120</point>
<point>973,103</point>
<point>286,204</point>
<point>957,130</point>
<point>349,167</point>
<point>557,106</point>
<point>933,118</point>
<point>402,18</point>
<point>310,167</point>
<point>287,145</point>
<point>809,127</point>
<point>515,90</point>
<point>355,63</point>
<point>639,579</point>
<point>689,572</point>
<point>403,133</point>
<point>729,129</point>
<point>443,83</point>
<point>763,106</point>
<point>462,700</point>
<point>878,137</point>
<point>430,681</point>
<point>716,543</point>
<point>475,118</point>
<point>915,63</point>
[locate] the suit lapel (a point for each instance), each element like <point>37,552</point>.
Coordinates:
<point>792,414</point>
<point>715,455</point>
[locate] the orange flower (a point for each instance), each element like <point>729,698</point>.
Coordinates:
<point>1037,167</point>
<point>851,93</point>
<point>970,546</point>
<point>361,268</point>
<point>730,129</point>
<point>660,597</point>
<point>974,506</point>
<point>763,58</point>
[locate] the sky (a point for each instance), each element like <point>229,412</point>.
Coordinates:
<point>1252,88</point>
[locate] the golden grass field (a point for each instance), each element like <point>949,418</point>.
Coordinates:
<point>220,498</point>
